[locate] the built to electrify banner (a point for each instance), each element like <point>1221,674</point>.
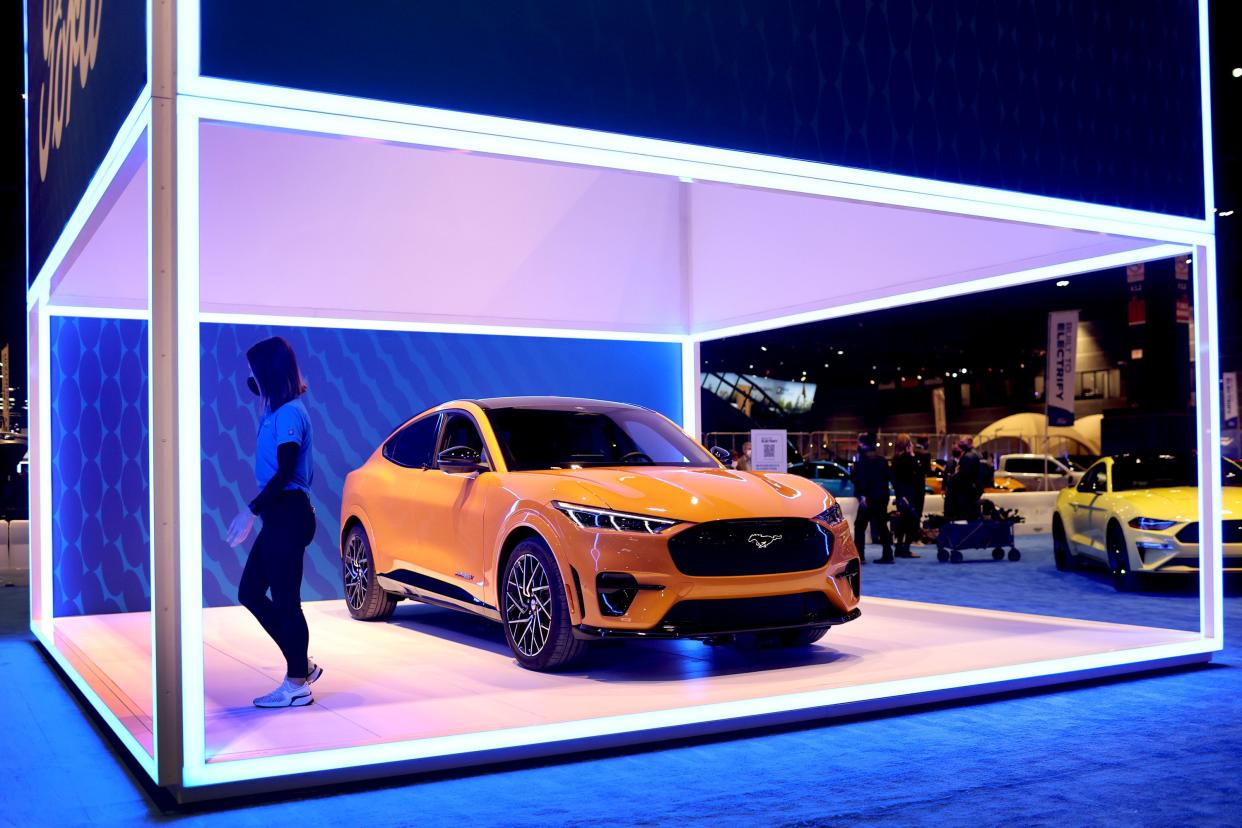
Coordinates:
<point>1059,382</point>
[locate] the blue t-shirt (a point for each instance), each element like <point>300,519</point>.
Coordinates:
<point>287,424</point>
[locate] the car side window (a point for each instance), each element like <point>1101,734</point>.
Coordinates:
<point>1094,481</point>
<point>413,445</point>
<point>459,430</point>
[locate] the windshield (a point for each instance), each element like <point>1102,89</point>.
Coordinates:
<point>539,438</point>
<point>1160,471</point>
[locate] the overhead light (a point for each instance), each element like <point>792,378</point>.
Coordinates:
<point>1237,71</point>
<point>873,382</point>
<point>1063,283</point>
<point>763,347</point>
<point>840,353</point>
<point>1226,214</point>
<point>752,367</point>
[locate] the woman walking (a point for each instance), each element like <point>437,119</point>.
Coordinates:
<point>284,470</point>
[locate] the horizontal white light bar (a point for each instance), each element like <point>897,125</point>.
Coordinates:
<point>335,758</point>
<point>1022,277</point>
<point>297,110</point>
<point>97,313</point>
<point>241,318</point>
<point>899,188</point>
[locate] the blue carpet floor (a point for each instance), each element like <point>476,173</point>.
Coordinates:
<point>1160,749</point>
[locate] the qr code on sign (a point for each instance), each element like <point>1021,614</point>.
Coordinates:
<point>769,450</point>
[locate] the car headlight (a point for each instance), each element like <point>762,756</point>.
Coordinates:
<point>832,515</point>
<point>590,518</point>
<point>1151,524</point>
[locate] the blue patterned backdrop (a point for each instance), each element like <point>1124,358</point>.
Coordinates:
<point>362,384</point>
<point>101,557</point>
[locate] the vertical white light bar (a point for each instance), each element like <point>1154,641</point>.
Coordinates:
<point>41,466</point>
<point>690,387</point>
<point>1205,104</point>
<point>1207,411</point>
<point>190,436</point>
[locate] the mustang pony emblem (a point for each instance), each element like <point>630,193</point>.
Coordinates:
<point>764,541</point>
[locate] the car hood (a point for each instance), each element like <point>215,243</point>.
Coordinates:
<point>697,495</point>
<point>1180,503</point>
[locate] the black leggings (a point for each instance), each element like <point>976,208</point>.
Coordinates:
<point>275,563</point>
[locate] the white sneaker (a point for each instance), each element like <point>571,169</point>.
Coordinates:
<point>315,672</point>
<point>287,694</point>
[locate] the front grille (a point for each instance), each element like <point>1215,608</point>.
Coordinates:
<point>1231,529</point>
<point>730,614</point>
<point>751,547</point>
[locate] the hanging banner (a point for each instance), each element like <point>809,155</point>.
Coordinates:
<point>1136,312</point>
<point>768,450</point>
<point>1181,282</point>
<point>1229,397</point>
<point>1059,381</point>
<point>942,421</point>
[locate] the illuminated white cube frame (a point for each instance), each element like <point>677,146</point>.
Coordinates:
<point>738,191</point>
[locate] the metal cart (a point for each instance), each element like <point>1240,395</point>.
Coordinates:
<point>976,534</point>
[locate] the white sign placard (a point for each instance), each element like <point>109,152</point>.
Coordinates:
<point>768,450</point>
<point>1059,382</point>
<point>1229,397</point>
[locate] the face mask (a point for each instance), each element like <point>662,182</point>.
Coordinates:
<point>253,386</point>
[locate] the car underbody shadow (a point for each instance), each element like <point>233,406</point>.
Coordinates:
<point>616,660</point>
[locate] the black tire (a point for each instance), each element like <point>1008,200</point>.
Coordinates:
<point>942,555</point>
<point>538,629</point>
<point>1061,553</point>
<point>1124,578</point>
<point>955,556</point>
<point>1015,555</point>
<point>998,554</point>
<point>364,597</point>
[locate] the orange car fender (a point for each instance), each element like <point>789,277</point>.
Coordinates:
<point>529,517</point>
<point>349,512</point>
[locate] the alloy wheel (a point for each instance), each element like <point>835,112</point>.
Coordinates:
<point>357,572</point>
<point>528,605</point>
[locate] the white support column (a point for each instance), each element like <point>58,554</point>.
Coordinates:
<point>164,333</point>
<point>38,425</point>
<point>1207,410</point>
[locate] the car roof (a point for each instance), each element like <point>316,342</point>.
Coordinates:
<point>548,403</point>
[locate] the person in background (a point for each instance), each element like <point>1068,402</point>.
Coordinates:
<point>743,460</point>
<point>963,484</point>
<point>284,470</point>
<point>871,478</point>
<point>909,480</point>
<point>987,473</point>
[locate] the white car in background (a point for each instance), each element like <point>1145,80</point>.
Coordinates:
<point>1038,472</point>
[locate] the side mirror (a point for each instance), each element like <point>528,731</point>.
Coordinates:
<point>460,460</point>
<point>722,454</point>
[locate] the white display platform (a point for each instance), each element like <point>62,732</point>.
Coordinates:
<point>432,673</point>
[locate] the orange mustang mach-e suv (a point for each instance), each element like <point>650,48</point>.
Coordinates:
<point>568,520</point>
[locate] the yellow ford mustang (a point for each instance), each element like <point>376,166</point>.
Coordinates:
<point>1138,513</point>
<point>568,520</point>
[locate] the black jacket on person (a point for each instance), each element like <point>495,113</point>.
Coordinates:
<point>871,478</point>
<point>908,477</point>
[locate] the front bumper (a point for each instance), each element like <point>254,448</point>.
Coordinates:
<point>1170,551</point>
<point>659,604</point>
<point>673,630</point>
